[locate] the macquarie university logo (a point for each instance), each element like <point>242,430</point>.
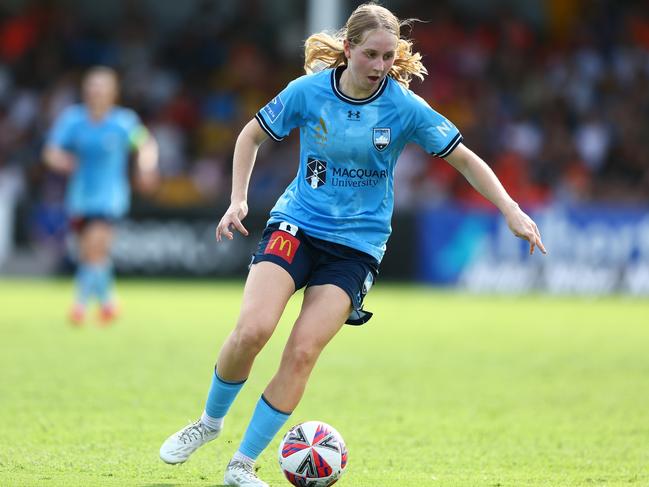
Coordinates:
<point>316,172</point>
<point>381,137</point>
<point>283,245</point>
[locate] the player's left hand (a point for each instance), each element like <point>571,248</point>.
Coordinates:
<point>524,227</point>
<point>147,181</point>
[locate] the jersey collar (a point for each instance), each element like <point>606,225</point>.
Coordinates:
<point>335,86</point>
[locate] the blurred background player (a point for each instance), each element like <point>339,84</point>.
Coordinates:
<point>328,231</point>
<point>91,143</point>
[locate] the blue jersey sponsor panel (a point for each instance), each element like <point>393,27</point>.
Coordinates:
<point>343,191</point>
<point>101,148</point>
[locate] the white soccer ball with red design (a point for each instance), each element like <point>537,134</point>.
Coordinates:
<point>312,454</point>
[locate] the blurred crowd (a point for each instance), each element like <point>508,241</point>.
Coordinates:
<point>558,108</point>
<point>559,111</point>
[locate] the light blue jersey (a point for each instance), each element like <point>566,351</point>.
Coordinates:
<point>99,186</point>
<point>343,191</point>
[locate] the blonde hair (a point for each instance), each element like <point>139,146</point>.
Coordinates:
<point>323,50</point>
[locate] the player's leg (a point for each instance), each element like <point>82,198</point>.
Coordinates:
<point>324,311</point>
<point>267,290</point>
<point>93,274</point>
<point>84,277</point>
<point>95,245</point>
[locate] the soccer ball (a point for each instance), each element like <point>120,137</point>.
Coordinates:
<point>312,454</point>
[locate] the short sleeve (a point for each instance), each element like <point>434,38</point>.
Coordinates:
<point>284,112</point>
<point>61,133</point>
<point>432,131</point>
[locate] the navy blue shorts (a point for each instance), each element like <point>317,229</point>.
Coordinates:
<point>311,262</point>
<point>78,223</point>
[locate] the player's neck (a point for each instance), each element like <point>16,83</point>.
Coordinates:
<point>98,113</point>
<point>348,88</point>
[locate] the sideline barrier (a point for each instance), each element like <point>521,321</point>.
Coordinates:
<point>183,245</point>
<point>592,250</point>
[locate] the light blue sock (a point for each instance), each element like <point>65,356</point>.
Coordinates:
<point>265,423</point>
<point>221,396</point>
<point>84,283</point>
<point>104,278</point>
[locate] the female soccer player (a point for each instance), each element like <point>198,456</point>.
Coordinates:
<point>91,142</point>
<point>329,229</point>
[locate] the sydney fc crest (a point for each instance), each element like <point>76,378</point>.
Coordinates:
<point>381,138</point>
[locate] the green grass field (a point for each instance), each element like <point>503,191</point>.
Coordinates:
<point>439,389</point>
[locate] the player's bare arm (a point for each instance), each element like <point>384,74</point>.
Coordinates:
<point>59,160</point>
<point>147,165</point>
<point>245,153</point>
<point>483,179</point>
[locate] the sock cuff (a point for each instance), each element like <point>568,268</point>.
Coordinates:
<point>212,423</point>
<point>263,398</point>
<point>227,382</point>
<point>242,457</point>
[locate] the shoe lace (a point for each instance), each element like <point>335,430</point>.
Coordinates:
<point>195,431</point>
<point>243,468</point>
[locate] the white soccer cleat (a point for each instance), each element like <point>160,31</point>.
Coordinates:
<point>242,474</point>
<point>179,446</point>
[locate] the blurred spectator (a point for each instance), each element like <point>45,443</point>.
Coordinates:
<point>11,188</point>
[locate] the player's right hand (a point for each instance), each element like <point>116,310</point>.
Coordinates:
<point>232,217</point>
<point>60,161</point>
<point>69,164</point>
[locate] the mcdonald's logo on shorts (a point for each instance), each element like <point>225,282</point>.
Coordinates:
<point>283,245</point>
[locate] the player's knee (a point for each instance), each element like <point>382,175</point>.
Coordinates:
<point>251,336</point>
<point>302,357</point>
